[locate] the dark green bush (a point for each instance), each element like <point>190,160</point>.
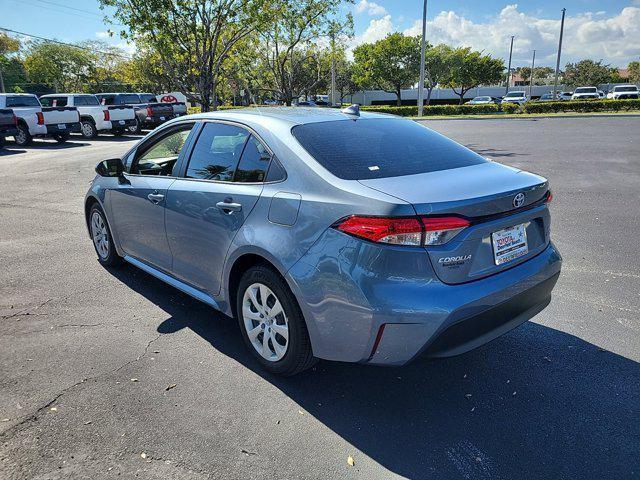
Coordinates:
<point>582,106</point>
<point>412,111</point>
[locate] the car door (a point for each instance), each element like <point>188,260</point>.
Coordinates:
<point>138,204</point>
<point>206,207</point>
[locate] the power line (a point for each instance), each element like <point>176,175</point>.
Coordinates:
<point>50,40</point>
<point>70,8</point>
<point>82,14</point>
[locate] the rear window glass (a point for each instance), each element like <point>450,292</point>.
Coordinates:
<point>53,101</point>
<point>128,98</point>
<point>22,101</point>
<point>379,148</point>
<point>148,98</point>
<point>86,100</point>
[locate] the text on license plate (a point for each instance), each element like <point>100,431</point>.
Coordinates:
<point>161,118</point>
<point>121,122</point>
<point>509,244</point>
<point>62,126</point>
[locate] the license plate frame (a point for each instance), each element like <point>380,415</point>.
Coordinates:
<point>509,243</point>
<point>121,122</point>
<point>62,126</point>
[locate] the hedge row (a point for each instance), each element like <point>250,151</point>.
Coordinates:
<point>582,106</point>
<point>412,111</point>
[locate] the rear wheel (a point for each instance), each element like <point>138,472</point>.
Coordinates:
<point>271,322</point>
<point>102,239</point>
<point>137,128</point>
<point>88,129</point>
<point>23,137</point>
<point>61,137</point>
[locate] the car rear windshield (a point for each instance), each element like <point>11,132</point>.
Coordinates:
<point>586,90</point>
<point>626,89</point>
<point>514,94</point>
<point>147,98</point>
<point>22,101</point>
<point>383,147</point>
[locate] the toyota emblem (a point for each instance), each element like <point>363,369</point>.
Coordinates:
<point>518,200</point>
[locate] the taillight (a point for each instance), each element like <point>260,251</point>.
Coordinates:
<point>439,230</point>
<point>395,231</point>
<point>107,116</point>
<point>549,197</point>
<point>149,112</point>
<point>414,231</point>
<point>40,118</point>
<point>15,120</point>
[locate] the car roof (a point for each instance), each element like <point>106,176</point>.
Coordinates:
<point>290,115</point>
<point>68,94</point>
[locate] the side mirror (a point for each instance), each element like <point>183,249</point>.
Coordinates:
<point>112,167</point>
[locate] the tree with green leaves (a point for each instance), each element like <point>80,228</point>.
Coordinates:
<point>540,74</point>
<point>470,69</point>
<point>634,72</point>
<point>289,49</point>
<point>587,73</point>
<point>192,38</point>
<point>8,64</point>
<point>390,64</point>
<point>66,68</point>
<point>437,67</point>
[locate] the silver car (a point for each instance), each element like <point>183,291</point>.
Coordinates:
<point>330,234</point>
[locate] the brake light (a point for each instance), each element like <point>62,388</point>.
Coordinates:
<point>395,231</point>
<point>549,197</point>
<point>416,231</point>
<point>15,120</point>
<point>107,116</point>
<point>439,230</point>
<point>149,112</point>
<point>40,118</point>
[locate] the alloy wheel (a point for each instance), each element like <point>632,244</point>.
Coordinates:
<point>265,322</point>
<point>100,235</point>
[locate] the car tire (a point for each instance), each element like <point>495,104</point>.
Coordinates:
<point>23,137</point>
<point>135,129</point>
<point>88,129</point>
<point>61,137</point>
<point>102,238</point>
<point>297,355</point>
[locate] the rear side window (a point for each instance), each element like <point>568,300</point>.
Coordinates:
<point>381,147</point>
<point>217,152</point>
<point>148,98</point>
<point>106,99</point>
<point>128,98</point>
<point>86,100</point>
<point>54,101</point>
<point>22,101</point>
<point>253,163</point>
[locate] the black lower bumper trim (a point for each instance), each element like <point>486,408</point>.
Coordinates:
<point>479,329</point>
<point>54,129</point>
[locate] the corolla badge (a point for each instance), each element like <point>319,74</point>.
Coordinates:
<point>518,200</point>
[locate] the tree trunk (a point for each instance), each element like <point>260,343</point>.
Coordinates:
<point>205,102</point>
<point>429,90</point>
<point>398,97</point>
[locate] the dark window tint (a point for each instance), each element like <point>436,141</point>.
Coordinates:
<point>53,101</point>
<point>253,163</point>
<point>22,101</point>
<point>147,98</point>
<point>276,171</point>
<point>217,151</point>
<point>377,148</point>
<point>89,100</point>
<point>106,99</point>
<point>160,155</point>
<point>128,98</point>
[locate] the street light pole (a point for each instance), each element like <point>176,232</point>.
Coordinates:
<point>423,47</point>
<point>533,65</point>
<point>555,79</point>
<point>509,67</point>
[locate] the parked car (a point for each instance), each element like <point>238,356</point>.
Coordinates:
<point>34,120</point>
<point>601,94</point>
<point>148,115</point>
<point>585,93</point>
<point>94,118</point>
<point>621,92</point>
<point>482,100</point>
<point>565,96</point>
<point>546,97</point>
<point>361,249</point>
<point>8,124</point>
<point>306,103</point>
<point>179,108</point>
<point>518,97</point>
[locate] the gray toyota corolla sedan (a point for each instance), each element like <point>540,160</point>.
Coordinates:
<point>331,234</point>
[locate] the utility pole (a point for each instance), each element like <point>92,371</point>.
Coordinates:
<point>555,80</point>
<point>333,66</point>
<point>423,48</point>
<point>1,80</point>
<point>509,67</point>
<point>533,65</point>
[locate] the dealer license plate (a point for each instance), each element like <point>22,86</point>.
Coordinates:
<point>509,244</point>
<point>62,126</point>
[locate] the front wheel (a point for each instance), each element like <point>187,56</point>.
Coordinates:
<point>102,239</point>
<point>23,137</point>
<point>271,322</point>
<point>61,137</point>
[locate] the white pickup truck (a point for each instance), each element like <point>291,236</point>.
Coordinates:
<point>585,93</point>
<point>94,118</point>
<point>624,92</point>
<point>518,97</point>
<point>35,121</point>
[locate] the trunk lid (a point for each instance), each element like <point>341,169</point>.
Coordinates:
<point>485,194</point>
<point>55,115</point>
<point>121,112</point>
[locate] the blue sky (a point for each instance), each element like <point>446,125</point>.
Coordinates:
<point>599,29</point>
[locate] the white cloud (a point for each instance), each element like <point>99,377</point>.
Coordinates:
<point>371,8</point>
<point>615,39</point>
<point>103,35</point>
<point>378,28</point>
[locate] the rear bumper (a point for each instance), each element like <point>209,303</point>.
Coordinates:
<point>357,313</point>
<point>156,121</point>
<point>8,131</point>
<point>120,124</point>
<point>58,129</point>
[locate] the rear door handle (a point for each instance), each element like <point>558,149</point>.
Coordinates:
<point>155,197</point>
<point>229,206</point>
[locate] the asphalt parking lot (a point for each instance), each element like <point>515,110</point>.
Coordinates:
<point>107,374</point>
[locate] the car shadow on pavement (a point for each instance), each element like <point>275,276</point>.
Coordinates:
<point>493,152</point>
<point>535,403</point>
<point>4,151</point>
<point>53,145</point>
